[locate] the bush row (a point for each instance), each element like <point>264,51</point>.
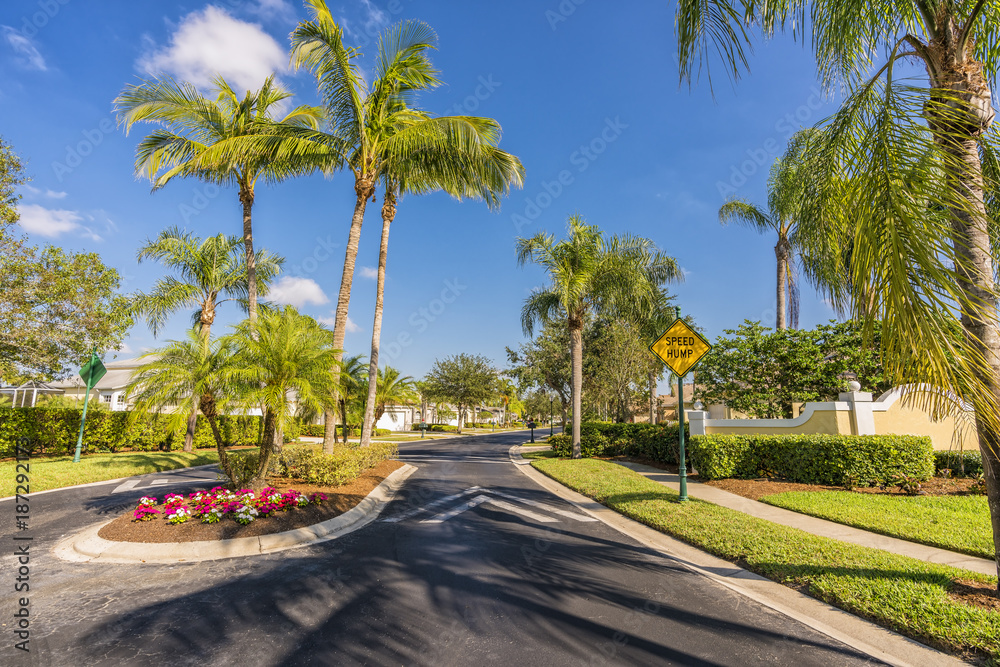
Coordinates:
<point>840,460</point>
<point>319,430</point>
<point>440,428</point>
<point>55,430</point>
<point>659,442</point>
<point>953,461</point>
<point>309,464</point>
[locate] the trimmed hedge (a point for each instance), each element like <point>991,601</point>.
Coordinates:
<point>319,430</point>
<point>658,442</point>
<point>54,431</point>
<point>439,428</point>
<point>309,464</point>
<point>953,461</point>
<point>838,460</point>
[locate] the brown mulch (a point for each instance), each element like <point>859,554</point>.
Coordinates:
<point>975,593</point>
<point>339,500</point>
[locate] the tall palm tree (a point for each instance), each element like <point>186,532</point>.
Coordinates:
<point>393,389</point>
<point>589,273</point>
<point>921,246</point>
<point>190,124</point>
<point>186,375</point>
<point>374,132</point>
<point>281,355</point>
<point>785,188</point>
<point>209,272</point>
<point>423,154</point>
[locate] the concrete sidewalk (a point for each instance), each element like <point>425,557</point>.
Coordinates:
<point>813,525</point>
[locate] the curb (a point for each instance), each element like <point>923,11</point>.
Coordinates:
<point>87,547</point>
<point>878,642</point>
<point>116,479</point>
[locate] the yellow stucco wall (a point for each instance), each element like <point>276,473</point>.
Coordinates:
<point>907,419</point>
<point>821,421</point>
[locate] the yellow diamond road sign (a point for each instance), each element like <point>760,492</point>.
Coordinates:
<point>681,347</point>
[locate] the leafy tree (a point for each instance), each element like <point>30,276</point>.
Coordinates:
<point>282,353</point>
<point>544,361</point>
<point>589,273</point>
<point>902,170</point>
<point>55,307</point>
<point>621,361</point>
<point>464,380</point>
<point>761,372</point>
<point>785,188</point>
<point>192,124</point>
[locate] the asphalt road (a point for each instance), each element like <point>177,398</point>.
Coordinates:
<point>471,564</point>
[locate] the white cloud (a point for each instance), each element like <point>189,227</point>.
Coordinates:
<point>297,292</point>
<point>375,18</point>
<point>51,194</point>
<point>212,42</point>
<point>332,321</point>
<point>30,56</point>
<point>274,9</point>
<point>46,222</point>
<point>369,272</point>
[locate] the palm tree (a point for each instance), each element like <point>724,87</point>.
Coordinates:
<point>191,124</point>
<point>922,262</point>
<point>423,154</point>
<point>393,389</point>
<point>184,377</point>
<point>351,381</point>
<point>281,355</point>
<point>588,274</point>
<point>785,186</point>
<point>207,269</point>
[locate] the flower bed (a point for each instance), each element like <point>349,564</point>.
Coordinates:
<point>219,514</point>
<point>212,506</point>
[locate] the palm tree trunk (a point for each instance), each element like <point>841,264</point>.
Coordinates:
<point>329,427</point>
<point>207,405</point>
<point>388,215</point>
<point>192,420</point>
<point>781,253</point>
<point>363,189</point>
<point>576,353</point>
<point>975,271</point>
<point>246,198</point>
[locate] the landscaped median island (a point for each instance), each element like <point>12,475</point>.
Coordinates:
<point>945,607</point>
<point>306,487</point>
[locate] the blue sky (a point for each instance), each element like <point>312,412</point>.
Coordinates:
<point>588,99</point>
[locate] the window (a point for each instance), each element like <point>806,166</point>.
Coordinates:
<point>105,398</point>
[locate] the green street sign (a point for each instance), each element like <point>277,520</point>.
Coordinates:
<point>93,371</point>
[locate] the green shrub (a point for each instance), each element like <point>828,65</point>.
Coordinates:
<point>309,464</point>
<point>953,461</point>
<point>658,442</point>
<point>241,467</point>
<point>54,431</point>
<point>438,428</point>
<point>863,460</point>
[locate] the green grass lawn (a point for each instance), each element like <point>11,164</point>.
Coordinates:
<point>956,523</point>
<point>907,595</point>
<point>55,473</point>
<point>540,454</point>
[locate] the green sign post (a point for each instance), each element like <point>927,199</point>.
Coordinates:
<point>680,347</point>
<point>91,373</point>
